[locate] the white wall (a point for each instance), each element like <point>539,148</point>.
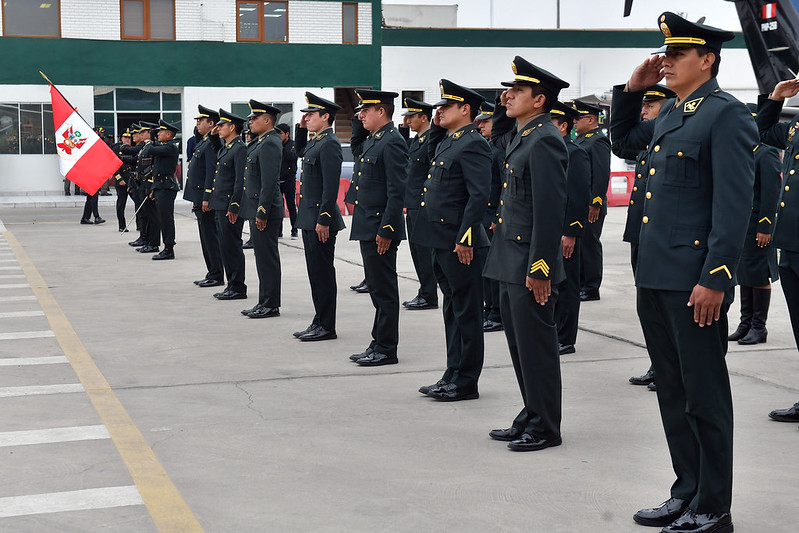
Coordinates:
<point>90,19</point>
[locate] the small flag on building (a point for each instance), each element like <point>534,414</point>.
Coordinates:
<point>84,158</point>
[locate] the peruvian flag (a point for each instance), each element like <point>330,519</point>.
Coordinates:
<point>769,10</point>
<point>84,158</point>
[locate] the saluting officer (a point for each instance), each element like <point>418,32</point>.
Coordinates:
<point>122,179</point>
<point>377,220</point>
<point>199,182</point>
<point>419,115</point>
<point>591,139</point>
<point>144,169</point>
<point>318,215</point>
<point>165,186</point>
<point>696,209</point>
<point>525,254</point>
<point>567,308</point>
<point>262,205</point>
<point>454,202</point>
<point>226,201</point>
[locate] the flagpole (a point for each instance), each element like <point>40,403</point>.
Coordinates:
<point>75,109</point>
<point>136,213</point>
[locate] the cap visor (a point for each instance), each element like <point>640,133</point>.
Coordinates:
<point>483,117</point>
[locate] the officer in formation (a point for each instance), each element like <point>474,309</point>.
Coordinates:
<point>288,177</point>
<point>525,254</point>
<point>591,139</point>
<point>164,186</point>
<point>121,180</point>
<point>654,98</point>
<point>419,117</point>
<point>567,307</point>
<point>144,168</point>
<point>359,135</point>
<point>129,154</point>
<point>262,205</point>
<point>696,212</point>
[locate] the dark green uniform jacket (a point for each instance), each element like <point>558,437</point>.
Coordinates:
<point>319,182</point>
<point>380,189</point>
<point>200,173</point>
<point>532,206</point>
<point>165,161</point>
<point>699,154</point>
<point>598,147</point>
<point>578,190</point>
<point>497,161</point>
<point>635,209</point>
<point>230,163</point>
<point>418,165</point>
<point>260,189</point>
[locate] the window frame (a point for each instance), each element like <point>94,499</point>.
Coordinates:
<point>355,5</point>
<point>6,34</point>
<point>261,26</point>
<point>44,129</point>
<point>146,15</point>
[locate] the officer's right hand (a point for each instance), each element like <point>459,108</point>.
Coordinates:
<point>646,74</point>
<point>503,98</point>
<point>304,121</point>
<point>205,206</point>
<point>323,232</point>
<point>707,305</point>
<point>785,89</point>
<point>437,116</point>
<point>541,289</point>
<point>567,242</point>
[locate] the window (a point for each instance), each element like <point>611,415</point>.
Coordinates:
<point>28,18</point>
<point>262,21</point>
<point>26,129</point>
<point>152,20</point>
<point>349,23</point>
<point>116,108</point>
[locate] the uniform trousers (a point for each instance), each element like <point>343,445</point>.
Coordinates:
<point>491,293</point>
<point>319,258</point>
<point>789,279</point>
<point>533,344</point>
<point>567,308</point>
<point>422,257</point>
<point>165,208</point>
<point>591,255</point>
<point>634,256</point>
<point>90,207</point>
<point>381,276</point>
<point>289,190</point>
<point>462,288</point>
<point>267,261</point>
<point>209,243</point>
<point>150,216</point>
<point>230,250</point>
<point>136,195</point>
<point>122,200</point>
<point>693,391</point>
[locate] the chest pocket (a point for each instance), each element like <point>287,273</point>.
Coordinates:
<point>682,164</point>
<point>369,165</point>
<point>440,170</point>
<point>309,160</point>
<point>516,185</point>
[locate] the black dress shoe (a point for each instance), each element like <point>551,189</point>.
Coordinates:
<point>247,245</point>
<point>99,220</point>
<point>356,356</point>
<point>165,254</point>
<point>786,415</point>
<point>377,359</point>
<point>210,283</point>
<point>490,325</point>
<point>265,312</point>
<point>218,294</point>
<point>565,349</point>
<point>86,221</point>
<point>452,393</point>
<point>363,288</point>
<point>533,443</point>
<point>355,287</point>
<point>692,522</point>
<point>646,379</point>
<point>589,296</point>
<point>662,515</point>
<point>318,334</point>
<point>310,328</point>
<point>147,249</point>
<point>246,312</point>
<point>509,434</point>
<point>405,304</point>
<point>419,303</point>
<point>424,389</point>
<point>198,281</point>
<point>123,230</point>
<point>137,242</point>
<point>232,295</point>
<point>652,387</point>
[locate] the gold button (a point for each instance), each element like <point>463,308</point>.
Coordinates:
<point>302,170</point>
<point>648,195</point>
<point>432,162</point>
<point>640,176</point>
<point>645,220</point>
<point>505,185</point>
<point>506,165</point>
<point>442,220</point>
<point>632,202</point>
<point>245,168</point>
<point>652,172</point>
<point>359,173</point>
<point>425,189</point>
<point>792,171</point>
<point>422,204</point>
<point>787,188</point>
<point>511,171</point>
<point>245,188</point>
<point>300,183</point>
<point>635,188</point>
<point>429,176</point>
<point>782,204</point>
<point>301,197</point>
<point>502,202</point>
<point>500,221</point>
<point>796,156</point>
<point>696,243</point>
<point>643,162</point>
<point>362,160</point>
<point>441,163</point>
<point>679,154</point>
<point>357,187</point>
<point>518,237</point>
<point>657,148</point>
<point>356,202</point>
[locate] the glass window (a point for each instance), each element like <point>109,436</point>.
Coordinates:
<point>32,18</point>
<point>137,100</point>
<point>248,22</point>
<point>171,102</point>
<point>133,19</point>
<point>349,22</point>
<point>148,19</point>
<point>30,128</point>
<point>26,129</point>
<point>48,129</point>
<point>104,102</point>
<point>9,128</point>
<point>105,121</point>
<point>262,21</point>
<point>174,119</point>
<point>162,19</point>
<point>241,110</point>
<point>275,21</point>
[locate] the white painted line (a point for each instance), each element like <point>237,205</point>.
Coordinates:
<point>37,390</point>
<point>28,361</point>
<point>26,335</point>
<point>10,268</point>
<point>15,314</point>
<point>8,276</point>
<point>17,298</point>
<point>53,435</point>
<point>14,286</point>
<point>8,260</point>
<point>76,500</point>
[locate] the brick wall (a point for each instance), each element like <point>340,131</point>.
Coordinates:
<point>90,19</point>
<point>205,20</point>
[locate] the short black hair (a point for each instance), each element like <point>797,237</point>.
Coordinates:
<point>563,120</point>
<point>473,110</point>
<point>714,68</point>
<point>331,117</point>
<point>549,97</point>
<point>389,108</point>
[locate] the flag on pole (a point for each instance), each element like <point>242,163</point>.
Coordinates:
<point>84,158</point>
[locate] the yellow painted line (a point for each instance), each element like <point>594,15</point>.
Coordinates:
<point>166,506</point>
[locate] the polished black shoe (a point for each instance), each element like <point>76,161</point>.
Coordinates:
<point>589,296</point>
<point>354,357</point>
<point>99,220</point>
<point>355,287</point>
<point>662,515</point>
<point>692,522</point>
<point>452,393</point>
<point>786,415</point>
<point>509,434</point>
<point>565,349</point>
<point>310,328</point>
<point>137,242</point>
<point>86,221</point>
<point>424,389</point>
<point>232,295</point>
<point>363,288</point>
<point>377,359</point>
<point>490,325</point>
<point>318,334</point>
<point>533,443</point>
<point>419,303</point>
<point>652,387</point>
<point>754,336</point>
<point>218,294</point>
<point>123,230</point>
<point>147,249</point>
<point>165,254</point>
<point>198,281</point>
<point>294,236</point>
<point>646,379</point>
<point>209,283</point>
<point>265,312</point>
<point>246,312</point>
<point>247,245</point>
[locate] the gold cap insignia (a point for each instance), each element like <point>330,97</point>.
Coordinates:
<point>513,66</point>
<point>662,18</point>
<point>665,29</point>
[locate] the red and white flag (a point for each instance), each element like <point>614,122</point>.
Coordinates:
<point>84,158</point>
<point>769,10</point>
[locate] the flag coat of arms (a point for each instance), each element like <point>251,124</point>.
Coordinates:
<point>84,158</point>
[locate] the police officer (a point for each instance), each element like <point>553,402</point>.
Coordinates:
<point>130,156</point>
<point>199,182</point>
<point>525,254</point>
<point>591,139</point>
<point>696,209</point>
<point>226,202</point>
<point>377,219</point>
<point>418,115</point>
<point>121,179</point>
<point>165,187</point>
<point>359,135</point>
<point>144,168</point>
<point>262,205</point>
<point>454,200</point>
<point>288,177</point>
<point>318,215</point>
<point>567,307</point>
